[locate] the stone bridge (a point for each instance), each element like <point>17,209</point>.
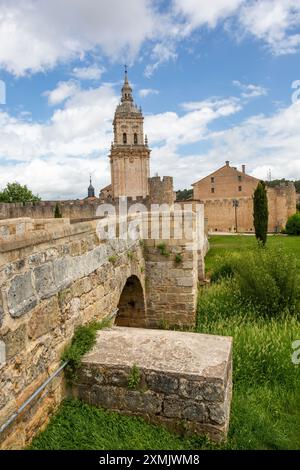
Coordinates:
<point>55,275</point>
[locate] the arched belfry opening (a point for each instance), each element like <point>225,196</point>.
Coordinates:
<point>132,305</point>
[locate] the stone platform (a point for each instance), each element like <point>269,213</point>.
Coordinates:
<point>179,379</point>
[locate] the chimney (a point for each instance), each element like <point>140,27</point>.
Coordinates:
<point>244,168</point>
<point>227,162</point>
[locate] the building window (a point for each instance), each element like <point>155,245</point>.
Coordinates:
<point>240,188</point>
<point>212,190</point>
<point>135,138</point>
<point>124,138</point>
<point>212,179</point>
<point>240,178</point>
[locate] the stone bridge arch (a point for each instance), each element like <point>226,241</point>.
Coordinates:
<point>132,304</point>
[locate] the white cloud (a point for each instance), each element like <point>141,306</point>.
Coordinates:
<point>144,92</point>
<point>35,36</point>
<point>201,12</point>
<point>93,72</point>
<point>162,52</point>
<point>56,158</point>
<point>274,22</point>
<point>250,90</point>
<point>38,35</point>
<point>58,179</point>
<point>177,130</point>
<point>261,142</point>
<point>63,91</point>
<point>222,105</point>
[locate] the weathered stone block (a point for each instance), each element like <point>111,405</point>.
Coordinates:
<point>142,402</point>
<point>184,377</point>
<point>162,383</point>
<point>195,412</point>
<point>44,282</point>
<point>36,259</point>
<point>21,297</point>
<point>44,318</point>
<point>15,341</point>
<point>173,406</point>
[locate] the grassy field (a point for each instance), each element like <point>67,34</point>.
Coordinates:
<point>266,400</point>
<point>240,243</point>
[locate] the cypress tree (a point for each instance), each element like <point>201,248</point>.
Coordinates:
<point>57,212</point>
<point>260,213</point>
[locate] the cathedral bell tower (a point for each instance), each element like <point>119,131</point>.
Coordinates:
<point>130,155</point>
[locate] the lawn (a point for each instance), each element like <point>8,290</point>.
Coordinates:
<point>266,400</point>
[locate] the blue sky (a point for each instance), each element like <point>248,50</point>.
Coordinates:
<point>216,81</point>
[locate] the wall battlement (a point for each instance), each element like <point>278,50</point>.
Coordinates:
<point>45,209</point>
<point>161,190</point>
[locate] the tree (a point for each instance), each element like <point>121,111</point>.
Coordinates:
<point>293,225</point>
<point>184,194</point>
<point>57,212</point>
<point>260,212</point>
<point>274,183</point>
<point>15,192</point>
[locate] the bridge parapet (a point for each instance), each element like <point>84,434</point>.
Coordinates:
<point>55,276</point>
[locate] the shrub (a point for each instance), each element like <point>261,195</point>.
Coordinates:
<point>83,340</point>
<point>134,378</point>
<point>162,247</point>
<point>223,271</point>
<point>225,267</point>
<point>293,225</point>
<point>262,346</point>
<point>268,278</point>
<point>178,258</point>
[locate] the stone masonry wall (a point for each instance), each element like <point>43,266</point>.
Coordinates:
<point>161,190</point>
<point>56,276</point>
<point>220,213</point>
<point>77,209</point>
<point>50,282</point>
<point>172,277</point>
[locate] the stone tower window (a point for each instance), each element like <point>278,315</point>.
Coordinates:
<point>124,138</point>
<point>240,188</point>
<point>212,179</point>
<point>135,138</point>
<point>212,190</point>
<point>240,178</point>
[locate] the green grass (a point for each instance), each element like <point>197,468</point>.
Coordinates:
<point>266,400</point>
<point>242,243</point>
<point>80,426</point>
<point>265,410</point>
<point>83,340</point>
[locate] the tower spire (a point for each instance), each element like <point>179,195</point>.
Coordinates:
<point>91,189</point>
<point>126,89</point>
